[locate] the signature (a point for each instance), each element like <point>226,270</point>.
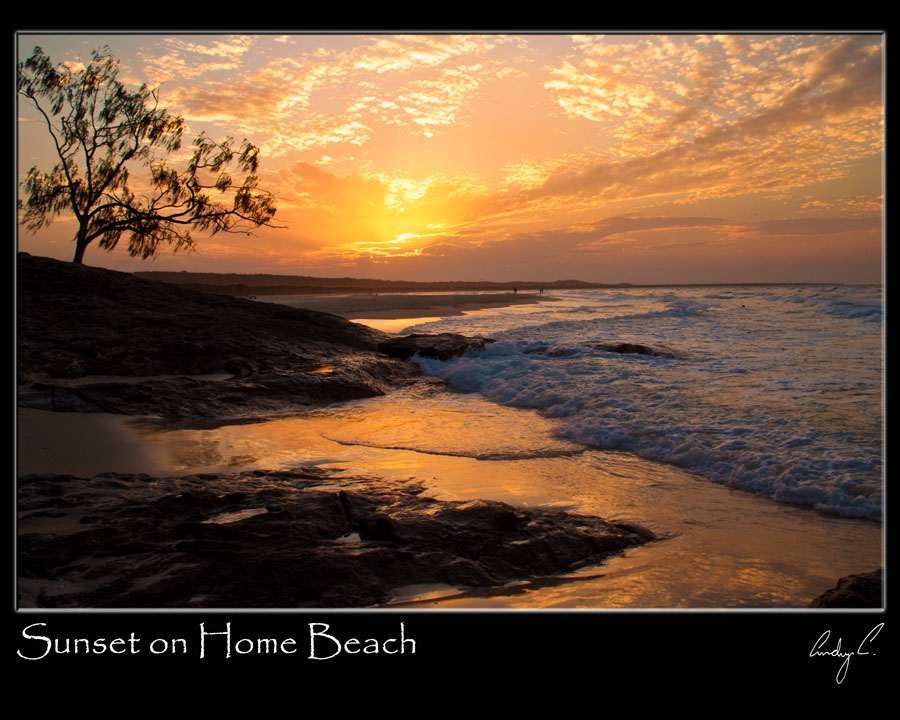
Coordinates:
<point>835,652</point>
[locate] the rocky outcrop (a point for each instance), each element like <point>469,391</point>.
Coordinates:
<point>853,591</point>
<point>442,346</point>
<point>94,340</point>
<point>153,347</point>
<point>297,538</point>
<point>266,391</point>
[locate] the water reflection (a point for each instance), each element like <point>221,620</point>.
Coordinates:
<point>721,547</point>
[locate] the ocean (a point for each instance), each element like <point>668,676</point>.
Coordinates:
<point>773,390</point>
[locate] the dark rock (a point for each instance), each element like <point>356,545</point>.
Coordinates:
<point>509,520</point>
<point>443,346</point>
<point>634,349</point>
<point>279,539</point>
<point>853,591</point>
<point>75,321</point>
<point>378,527</point>
<point>158,344</point>
<point>551,351</point>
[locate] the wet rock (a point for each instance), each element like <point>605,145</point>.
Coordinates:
<point>551,351</point>
<point>634,349</point>
<point>279,539</point>
<point>442,346</point>
<point>853,591</point>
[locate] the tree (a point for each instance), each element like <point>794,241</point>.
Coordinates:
<point>101,132</point>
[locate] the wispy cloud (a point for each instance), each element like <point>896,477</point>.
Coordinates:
<point>421,84</point>
<point>760,97</point>
<point>184,60</point>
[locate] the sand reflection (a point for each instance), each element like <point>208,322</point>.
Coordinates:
<point>722,548</point>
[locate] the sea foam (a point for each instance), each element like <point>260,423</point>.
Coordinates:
<point>776,391</point>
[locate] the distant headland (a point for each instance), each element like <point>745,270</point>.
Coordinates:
<point>240,284</point>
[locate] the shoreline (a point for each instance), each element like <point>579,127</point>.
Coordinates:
<point>199,360</point>
<point>406,306</point>
<point>305,536</point>
<point>716,547</point>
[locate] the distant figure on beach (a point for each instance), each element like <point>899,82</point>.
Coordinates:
<point>515,290</point>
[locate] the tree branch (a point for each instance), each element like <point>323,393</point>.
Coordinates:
<point>112,129</point>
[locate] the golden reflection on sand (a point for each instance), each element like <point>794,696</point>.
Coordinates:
<point>721,548</point>
<point>395,325</point>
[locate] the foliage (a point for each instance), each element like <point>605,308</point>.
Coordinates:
<point>102,132</point>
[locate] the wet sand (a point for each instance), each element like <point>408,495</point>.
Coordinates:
<point>721,548</point>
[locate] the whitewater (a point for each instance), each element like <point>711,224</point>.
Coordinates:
<point>773,390</point>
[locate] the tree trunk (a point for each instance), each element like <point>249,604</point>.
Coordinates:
<point>80,247</point>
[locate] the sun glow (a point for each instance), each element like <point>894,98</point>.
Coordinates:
<point>462,155</point>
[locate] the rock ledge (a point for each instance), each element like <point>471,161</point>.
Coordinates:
<point>304,537</point>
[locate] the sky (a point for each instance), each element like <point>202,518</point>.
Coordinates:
<point>654,158</point>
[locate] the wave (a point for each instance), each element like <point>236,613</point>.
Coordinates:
<point>708,418</point>
<point>840,302</point>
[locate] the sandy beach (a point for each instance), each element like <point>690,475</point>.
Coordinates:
<point>408,305</point>
<point>717,548</point>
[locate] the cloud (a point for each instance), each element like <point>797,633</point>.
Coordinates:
<point>504,150</point>
<point>856,205</point>
<point>649,249</point>
<point>798,227</point>
<point>422,84</point>
<point>260,99</point>
<point>690,118</point>
<point>405,53</point>
<point>181,62</point>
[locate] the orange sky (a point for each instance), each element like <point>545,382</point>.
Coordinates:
<point>617,158</point>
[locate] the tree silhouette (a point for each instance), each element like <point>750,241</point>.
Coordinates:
<point>102,131</point>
